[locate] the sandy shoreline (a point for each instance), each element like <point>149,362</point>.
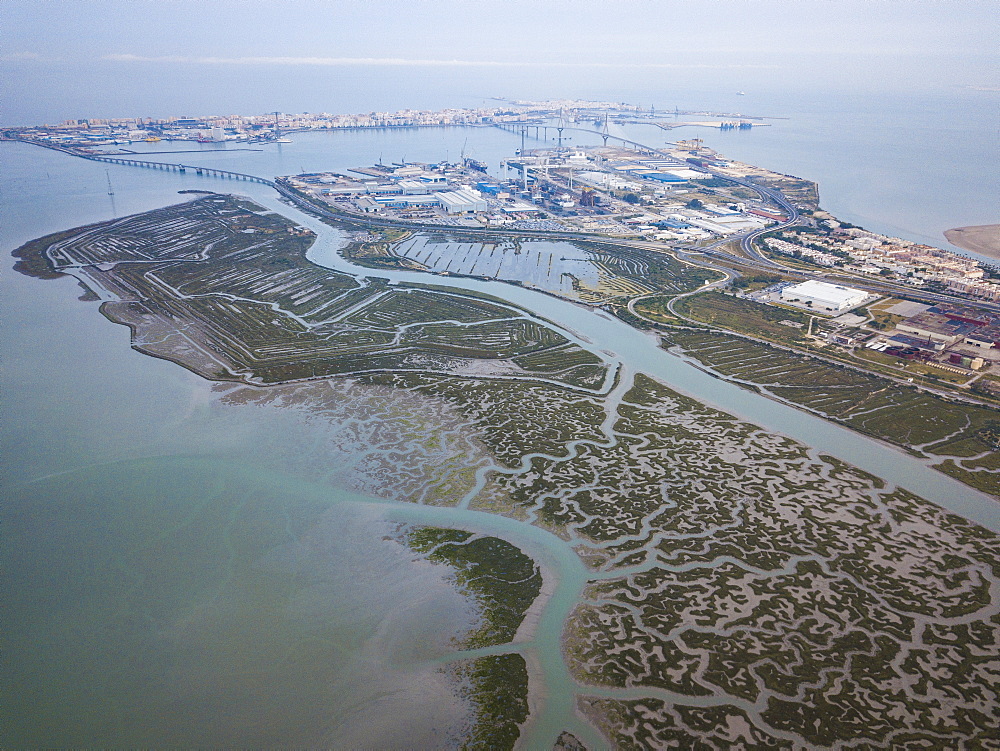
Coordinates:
<point>983,239</point>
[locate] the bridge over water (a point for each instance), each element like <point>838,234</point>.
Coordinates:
<point>522,127</point>
<point>171,167</point>
<point>166,166</point>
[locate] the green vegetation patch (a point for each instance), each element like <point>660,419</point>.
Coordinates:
<point>655,309</point>
<point>755,282</point>
<point>402,307</point>
<point>224,288</point>
<point>795,189</point>
<point>502,579</point>
<point>556,359</point>
<point>490,339</point>
<point>867,402</point>
<point>514,418</point>
<point>986,481</point>
<point>626,724</point>
<point>744,316</point>
<point>755,570</point>
<point>652,270</point>
<point>32,259</point>
<point>497,688</point>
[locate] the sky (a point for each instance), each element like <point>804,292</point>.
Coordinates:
<point>58,50</point>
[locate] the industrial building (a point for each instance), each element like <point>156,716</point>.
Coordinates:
<point>984,337</point>
<point>462,200</point>
<point>406,202</point>
<point>824,296</point>
<point>935,327</point>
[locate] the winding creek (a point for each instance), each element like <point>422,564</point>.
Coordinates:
<point>639,351</point>
<point>634,351</point>
<point>629,351</point>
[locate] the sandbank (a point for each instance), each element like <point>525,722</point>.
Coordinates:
<point>983,239</point>
<point>533,615</point>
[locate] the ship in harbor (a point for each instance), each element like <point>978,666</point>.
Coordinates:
<point>475,164</point>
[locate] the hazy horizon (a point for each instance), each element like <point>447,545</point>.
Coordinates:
<point>103,58</point>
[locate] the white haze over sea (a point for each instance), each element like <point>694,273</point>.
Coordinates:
<point>104,58</point>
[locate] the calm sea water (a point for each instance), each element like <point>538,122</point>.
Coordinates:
<point>906,164</point>
<point>165,573</point>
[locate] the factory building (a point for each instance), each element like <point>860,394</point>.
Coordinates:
<point>414,187</point>
<point>935,327</point>
<point>367,205</point>
<point>489,189</point>
<point>462,201</point>
<point>665,177</point>
<point>984,337</point>
<point>824,296</point>
<point>407,202</point>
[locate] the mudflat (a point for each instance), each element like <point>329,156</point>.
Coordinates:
<point>983,239</point>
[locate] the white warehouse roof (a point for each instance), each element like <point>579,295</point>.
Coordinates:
<point>829,296</point>
<point>462,200</point>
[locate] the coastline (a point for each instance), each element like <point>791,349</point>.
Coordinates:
<point>983,239</point>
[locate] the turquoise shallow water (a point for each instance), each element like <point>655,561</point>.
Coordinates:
<point>173,583</point>
<point>197,601</point>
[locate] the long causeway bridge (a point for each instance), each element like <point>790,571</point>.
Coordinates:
<point>170,167</point>
<point>166,166</point>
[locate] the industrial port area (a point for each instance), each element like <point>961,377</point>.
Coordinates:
<point>614,192</point>
<point>682,193</point>
<point>679,201</point>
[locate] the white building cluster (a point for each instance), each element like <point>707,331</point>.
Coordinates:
<point>104,131</point>
<point>870,253</point>
<point>788,249</point>
<point>416,191</point>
